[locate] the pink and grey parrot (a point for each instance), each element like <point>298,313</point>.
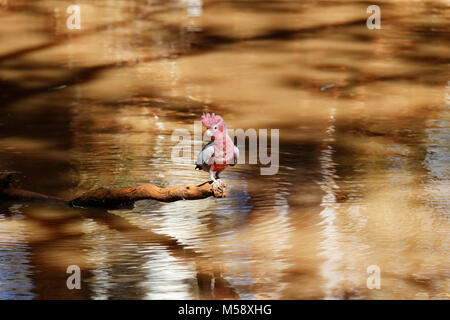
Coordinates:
<point>220,151</point>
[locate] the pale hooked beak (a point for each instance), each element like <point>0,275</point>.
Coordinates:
<point>208,133</point>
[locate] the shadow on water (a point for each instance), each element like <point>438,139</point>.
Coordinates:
<point>58,241</point>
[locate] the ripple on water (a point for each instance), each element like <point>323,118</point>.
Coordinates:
<point>15,268</point>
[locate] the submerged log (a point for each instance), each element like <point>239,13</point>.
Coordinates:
<point>104,197</point>
<point>110,198</point>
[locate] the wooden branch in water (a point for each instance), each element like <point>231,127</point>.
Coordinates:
<point>108,198</point>
<point>104,197</point>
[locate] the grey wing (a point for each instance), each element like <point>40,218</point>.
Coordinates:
<point>236,156</point>
<point>204,157</point>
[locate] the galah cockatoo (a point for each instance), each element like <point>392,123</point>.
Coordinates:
<point>220,151</point>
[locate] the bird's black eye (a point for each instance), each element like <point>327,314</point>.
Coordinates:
<point>215,128</point>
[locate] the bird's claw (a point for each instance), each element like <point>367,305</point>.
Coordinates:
<point>218,182</point>
<point>218,188</point>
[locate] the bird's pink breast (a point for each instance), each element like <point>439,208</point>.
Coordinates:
<point>223,153</point>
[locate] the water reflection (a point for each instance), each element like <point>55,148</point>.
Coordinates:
<point>15,268</point>
<point>436,160</point>
<point>330,244</point>
<point>363,177</point>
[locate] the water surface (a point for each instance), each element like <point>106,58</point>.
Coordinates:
<point>363,177</point>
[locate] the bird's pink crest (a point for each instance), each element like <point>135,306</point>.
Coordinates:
<point>209,120</point>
